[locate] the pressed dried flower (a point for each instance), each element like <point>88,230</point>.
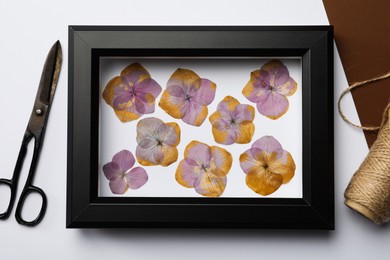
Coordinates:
<point>269,88</point>
<point>120,174</point>
<point>132,94</point>
<point>204,168</point>
<point>187,97</point>
<point>157,142</point>
<point>267,165</point>
<point>232,122</point>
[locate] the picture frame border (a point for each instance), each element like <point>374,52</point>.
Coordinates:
<point>313,44</point>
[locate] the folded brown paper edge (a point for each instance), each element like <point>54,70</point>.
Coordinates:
<point>361,36</point>
<point>363,210</point>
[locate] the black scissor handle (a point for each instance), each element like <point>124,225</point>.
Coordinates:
<point>13,182</point>
<point>12,188</point>
<point>27,190</point>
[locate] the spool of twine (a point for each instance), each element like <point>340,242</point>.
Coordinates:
<point>368,192</point>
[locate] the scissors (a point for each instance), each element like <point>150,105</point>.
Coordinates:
<point>35,129</point>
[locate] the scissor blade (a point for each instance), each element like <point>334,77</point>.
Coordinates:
<point>50,74</point>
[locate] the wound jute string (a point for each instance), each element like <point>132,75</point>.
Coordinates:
<point>369,189</point>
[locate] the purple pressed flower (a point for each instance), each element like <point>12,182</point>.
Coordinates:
<point>204,168</point>
<point>232,122</point>
<point>187,96</point>
<point>120,174</point>
<point>268,87</point>
<point>157,142</point>
<point>267,166</point>
<point>132,94</point>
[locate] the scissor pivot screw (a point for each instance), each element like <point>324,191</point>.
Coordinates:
<point>39,112</point>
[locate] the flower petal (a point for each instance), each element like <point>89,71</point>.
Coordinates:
<point>214,117</point>
<point>219,121</point>
<point>136,178</point>
<point>249,159</point>
<point>226,136</point>
<point>148,86</point>
<point>147,128</point>
<point>134,73</point>
<point>128,114</point>
<point>112,171</point>
<point>198,152</point>
<point>157,154</point>
<point>170,155</point>
<point>160,132</point>
<point>145,103</point>
<point>109,90</point>
<point>122,101</point>
<point>243,114</point>
<point>288,88</point>
<point>124,159</point>
<point>222,159</point>
<point>149,157</point>
<point>176,91</point>
<point>191,162</point>
<point>263,181</point>
<point>245,133</point>
<point>172,105</point>
<point>172,134</point>
<point>228,104</point>
<point>186,174</point>
<point>269,144</point>
<point>278,72</point>
<point>255,88</point>
<point>274,106</point>
<point>184,78</point>
<point>139,106</point>
<point>209,186</point>
<point>285,166</point>
<point>195,114</point>
<point>147,143</point>
<point>206,93</point>
<point>118,186</point>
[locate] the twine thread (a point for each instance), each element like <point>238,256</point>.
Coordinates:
<point>369,189</point>
<point>355,85</point>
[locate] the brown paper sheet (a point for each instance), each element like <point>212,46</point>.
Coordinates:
<point>362,35</point>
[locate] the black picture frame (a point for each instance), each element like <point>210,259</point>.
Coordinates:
<point>314,44</point>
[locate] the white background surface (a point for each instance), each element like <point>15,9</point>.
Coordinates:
<point>230,75</point>
<point>29,28</point>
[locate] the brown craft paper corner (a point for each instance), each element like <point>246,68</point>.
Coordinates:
<point>362,35</point>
